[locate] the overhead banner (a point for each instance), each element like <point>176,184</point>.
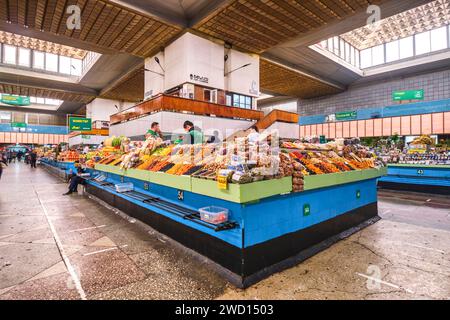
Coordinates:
<point>347,115</point>
<point>15,100</point>
<point>408,95</point>
<point>80,124</point>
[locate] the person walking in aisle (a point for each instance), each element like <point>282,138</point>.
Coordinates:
<point>33,158</point>
<point>3,163</point>
<point>19,156</point>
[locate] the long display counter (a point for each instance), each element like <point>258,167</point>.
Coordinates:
<point>58,168</point>
<point>269,227</point>
<point>417,177</point>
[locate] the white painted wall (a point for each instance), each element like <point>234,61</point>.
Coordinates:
<point>80,139</point>
<point>173,122</point>
<point>102,109</point>
<point>286,130</point>
<point>153,82</point>
<point>196,56</point>
<point>288,105</point>
<point>190,56</point>
<point>246,80</point>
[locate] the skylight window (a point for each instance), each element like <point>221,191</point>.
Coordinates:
<point>439,39</point>
<point>51,62</point>
<point>9,53</point>
<point>24,57</point>
<point>38,60</point>
<point>423,43</point>
<point>406,47</point>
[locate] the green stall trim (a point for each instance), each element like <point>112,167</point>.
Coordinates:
<point>240,193</point>
<point>243,193</point>
<point>331,179</point>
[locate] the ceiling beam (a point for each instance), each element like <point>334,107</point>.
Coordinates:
<point>50,37</point>
<point>274,60</point>
<point>152,12</point>
<point>213,7</point>
<point>357,20</point>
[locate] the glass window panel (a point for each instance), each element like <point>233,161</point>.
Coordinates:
<point>341,49</point>
<point>235,100</point>
<point>248,100</point>
<point>336,45</point>
<point>330,44</point>
<point>9,54</point>
<point>366,58</point>
<point>38,60</point>
<point>229,98</point>
<point>439,39</point>
<point>76,67</point>
<point>24,57</point>
<point>392,51</point>
<point>64,65</point>
<point>51,62</point>
<point>406,47</point>
<point>378,55</point>
<point>423,44</point>
<point>357,58</point>
<point>352,55</point>
<point>348,53</point>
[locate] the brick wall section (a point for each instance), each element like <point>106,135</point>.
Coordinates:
<point>379,94</point>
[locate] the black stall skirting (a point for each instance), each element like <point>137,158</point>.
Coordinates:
<point>244,267</point>
<point>425,188</point>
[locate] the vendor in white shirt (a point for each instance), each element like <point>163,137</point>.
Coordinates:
<point>253,136</point>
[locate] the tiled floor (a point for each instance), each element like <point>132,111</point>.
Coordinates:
<point>71,247</point>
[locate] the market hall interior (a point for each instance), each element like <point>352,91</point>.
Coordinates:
<point>55,247</point>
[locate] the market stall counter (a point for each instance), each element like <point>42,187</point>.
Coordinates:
<point>61,169</point>
<point>427,178</point>
<point>248,230</point>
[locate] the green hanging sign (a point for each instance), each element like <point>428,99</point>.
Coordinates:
<point>80,124</point>
<point>18,125</point>
<point>346,115</point>
<point>408,95</point>
<point>14,100</point>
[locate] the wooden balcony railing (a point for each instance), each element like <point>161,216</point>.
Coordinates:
<point>276,116</point>
<point>177,104</point>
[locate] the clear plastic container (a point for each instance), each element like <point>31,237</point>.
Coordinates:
<point>213,214</point>
<point>124,187</point>
<point>100,178</point>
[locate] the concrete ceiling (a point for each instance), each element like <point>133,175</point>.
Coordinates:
<point>127,31</point>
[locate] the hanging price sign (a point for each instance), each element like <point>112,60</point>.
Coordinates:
<point>222,182</point>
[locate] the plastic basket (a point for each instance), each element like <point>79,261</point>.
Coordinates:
<point>213,214</point>
<point>124,187</point>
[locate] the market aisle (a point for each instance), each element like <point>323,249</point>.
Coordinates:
<point>406,255</point>
<point>111,256</point>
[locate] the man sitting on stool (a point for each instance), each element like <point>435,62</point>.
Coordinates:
<point>75,179</point>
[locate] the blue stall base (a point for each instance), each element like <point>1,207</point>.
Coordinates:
<point>420,178</point>
<point>58,168</point>
<point>266,235</point>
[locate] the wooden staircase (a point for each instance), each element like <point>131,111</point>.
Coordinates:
<point>276,116</point>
